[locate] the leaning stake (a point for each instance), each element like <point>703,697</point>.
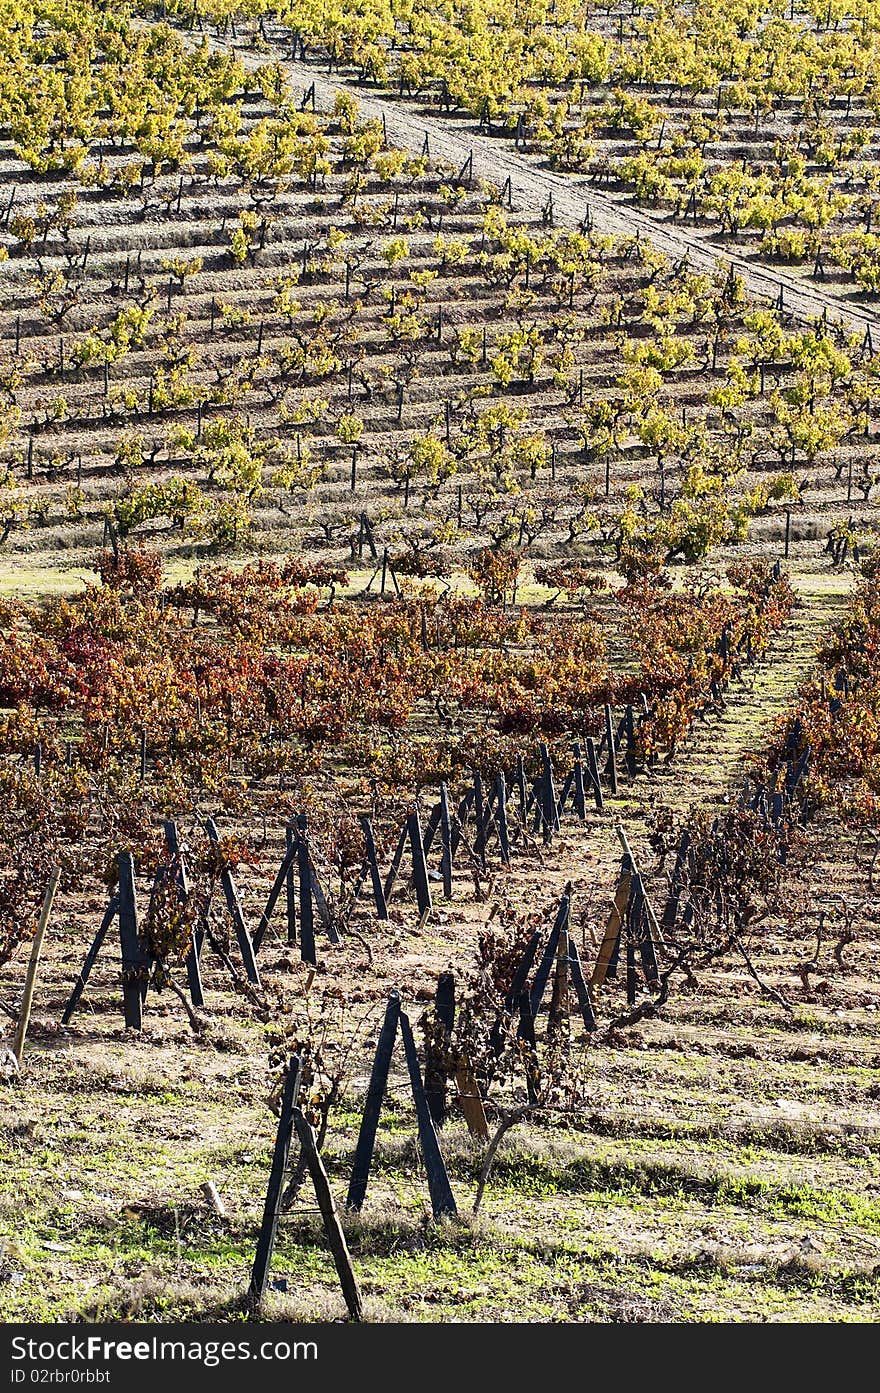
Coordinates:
<point>332,1226</point>
<point>30,980</point>
<point>442,1200</point>
<point>272,1207</point>
<point>363,1155</point>
<point>652,918</point>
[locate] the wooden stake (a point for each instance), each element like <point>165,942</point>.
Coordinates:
<point>442,1199</point>
<point>272,1206</point>
<point>580,801</point>
<point>611,766</point>
<point>212,1195</point>
<point>332,1226</point>
<point>375,877</point>
<point>437,1054</point>
<point>613,927</point>
<point>542,976</point>
<point>559,998</point>
<point>30,981</point>
<point>445,842</point>
<point>306,910</point>
<point>135,963</point>
<point>193,965</point>
<point>520,976</point>
<point>470,1102</point>
<point>525,1034</point>
<point>549,810</point>
<point>360,1173</point>
<point>630,728</point>
<point>233,904</point>
<point>676,883</point>
<point>290,885</point>
<point>501,817</point>
<point>479,815</point>
<point>420,869</point>
<point>652,918</point>
<point>577,976</point>
<point>641,929</point>
<point>395,861</point>
<point>109,915</point>
<point>278,885</point>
